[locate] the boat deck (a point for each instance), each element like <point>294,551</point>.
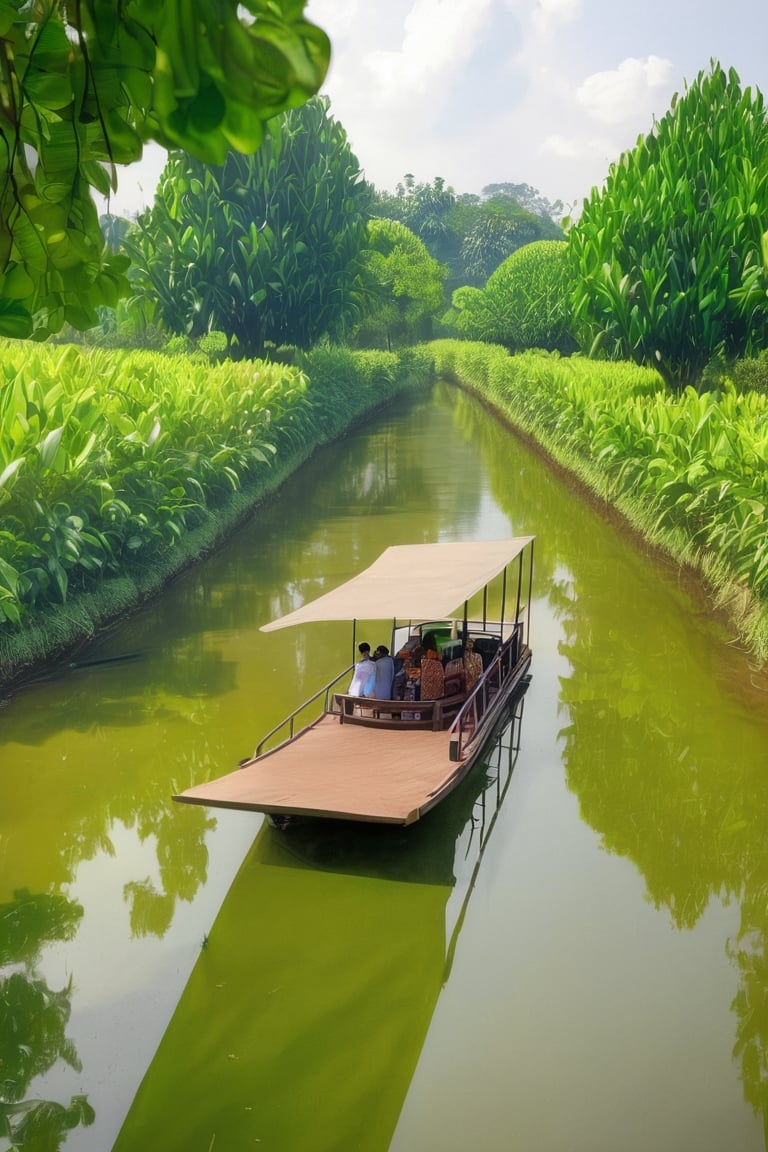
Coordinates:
<point>344,771</point>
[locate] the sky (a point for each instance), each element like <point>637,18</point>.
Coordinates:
<point>541,92</point>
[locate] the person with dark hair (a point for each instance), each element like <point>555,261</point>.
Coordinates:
<point>429,644</point>
<point>385,673</point>
<point>364,675</point>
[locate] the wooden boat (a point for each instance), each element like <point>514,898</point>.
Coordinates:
<point>391,761</point>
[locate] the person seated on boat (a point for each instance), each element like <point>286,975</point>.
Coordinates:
<point>398,680</point>
<point>432,675</point>
<point>429,643</point>
<point>412,649</point>
<point>364,675</point>
<point>385,673</point>
<point>473,664</point>
<point>411,679</point>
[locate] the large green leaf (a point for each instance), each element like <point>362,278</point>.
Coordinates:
<point>90,82</point>
<point>15,320</point>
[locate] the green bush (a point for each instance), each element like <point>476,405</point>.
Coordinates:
<point>751,374</point>
<point>121,466</point>
<point>525,303</point>
<point>691,471</point>
<point>667,258</point>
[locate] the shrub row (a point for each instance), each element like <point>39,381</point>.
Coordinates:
<point>689,471</point>
<point>117,469</point>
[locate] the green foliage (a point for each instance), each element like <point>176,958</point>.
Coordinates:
<point>105,460</point>
<point>690,471</point>
<point>528,198</point>
<point>84,85</point>
<point>266,247</point>
<point>110,463</point>
<point>751,374</point>
<point>425,210</point>
<point>345,385</point>
<point>499,228</point>
<point>669,257</point>
<point>470,234</point>
<point>525,303</point>
<point>406,287</point>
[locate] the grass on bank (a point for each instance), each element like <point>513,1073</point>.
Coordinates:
<point>689,472</point>
<point>118,469</point>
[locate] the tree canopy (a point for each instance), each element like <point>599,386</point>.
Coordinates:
<point>406,286</point>
<point>468,233</point>
<point>525,303</point>
<point>83,86</point>
<point>266,247</point>
<point>670,257</point>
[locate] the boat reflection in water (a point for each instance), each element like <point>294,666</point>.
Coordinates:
<point>304,1017</point>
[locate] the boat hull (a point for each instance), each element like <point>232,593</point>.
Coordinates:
<point>392,772</point>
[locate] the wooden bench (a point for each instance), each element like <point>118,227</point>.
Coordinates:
<point>372,713</point>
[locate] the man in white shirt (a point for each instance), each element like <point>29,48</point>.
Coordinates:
<point>364,676</point>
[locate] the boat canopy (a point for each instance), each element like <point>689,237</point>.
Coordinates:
<point>412,582</point>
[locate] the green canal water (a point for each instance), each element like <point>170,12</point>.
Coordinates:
<point>568,955</point>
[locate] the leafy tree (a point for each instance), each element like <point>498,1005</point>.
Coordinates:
<point>83,85</point>
<point>427,215</point>
<point>468,233</point>
<point>407,286</point>
<point>527,197</point>
<point>425,209</point>
<point>265,248</point>
<point>670,257</point>
<point>525,304</point>
<point>471,315</point>
<point>499,227</point>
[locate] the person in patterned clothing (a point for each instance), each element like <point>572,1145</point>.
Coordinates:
<point>473,664</point>
<point>432,675</point>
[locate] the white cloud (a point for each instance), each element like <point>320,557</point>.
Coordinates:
<point>439,36</point>
<point>541,24</point>
<point>632,88</point>
<point>575,148</point>
<point>339,14</point>
<point>548,16</point>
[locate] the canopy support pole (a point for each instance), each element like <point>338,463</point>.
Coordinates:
<point>519,586</point>
<point>530,594</point>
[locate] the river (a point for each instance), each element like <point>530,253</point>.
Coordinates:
<point>569,955</point>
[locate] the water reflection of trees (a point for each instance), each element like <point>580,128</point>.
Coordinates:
<point>318,1007</point>
<point>182,857</point>
<point>663,743</point>
<point>33,1021</point>
<point>139,801</point>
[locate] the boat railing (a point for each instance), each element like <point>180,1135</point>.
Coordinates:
<point>306,710</point>
<point>510,660</point>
